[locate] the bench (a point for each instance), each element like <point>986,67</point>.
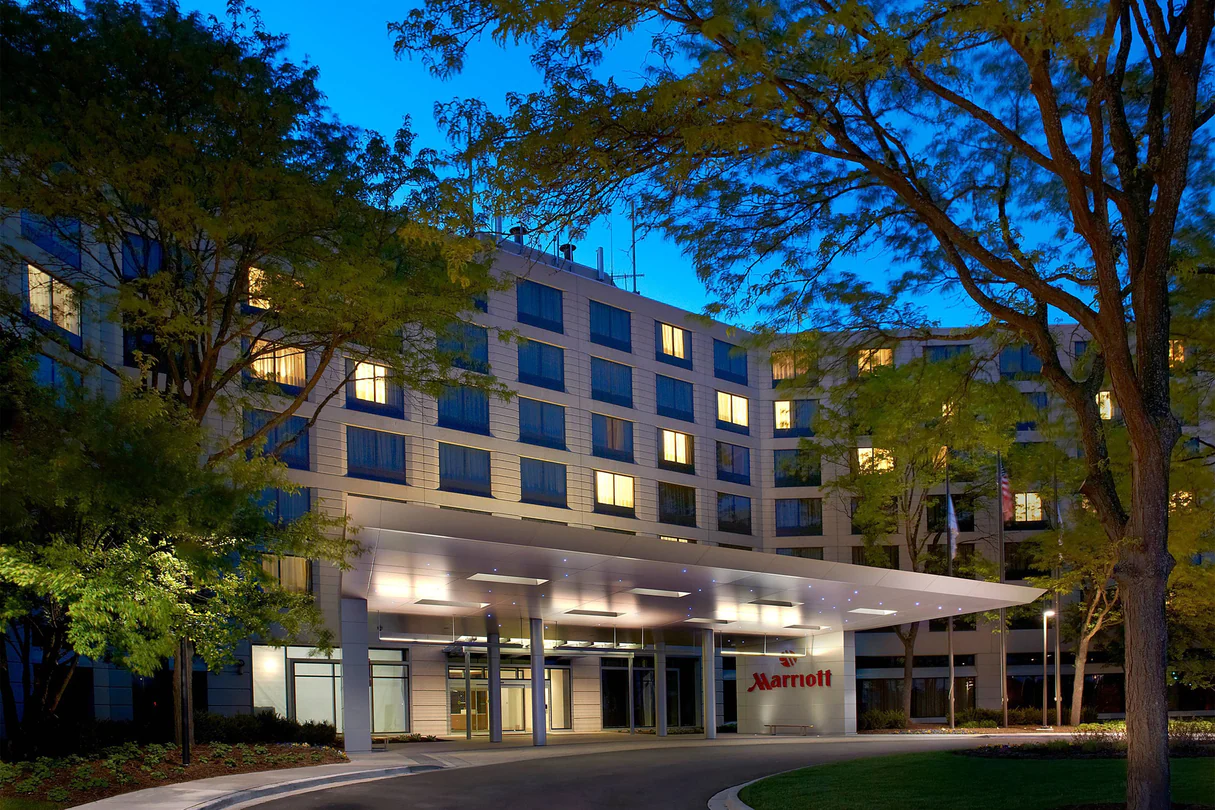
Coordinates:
<point>380,741</point>
<point>772,727</point>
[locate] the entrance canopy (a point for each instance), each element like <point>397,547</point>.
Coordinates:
<point>430,573</point>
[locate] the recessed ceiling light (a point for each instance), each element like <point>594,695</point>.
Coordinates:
<point>806,627</point>
<point>658,592</point>
<point>507,580</point>
<point>774,602</point>
<point>874,611</point>
<point>451,603</point>
<point>699,620</point>
<point>606,613</point>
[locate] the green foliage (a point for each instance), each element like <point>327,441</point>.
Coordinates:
<point>262,727</point>
<point>879,719</point>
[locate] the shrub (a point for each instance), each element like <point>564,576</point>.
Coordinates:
<point>876,719</point>
<point>978,724</point>
<point>262,727</point>
<point>979,716</point>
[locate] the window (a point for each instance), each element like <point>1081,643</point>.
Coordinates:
<point>1018,362</point>
<point>614,493</point>
<point>1105,404</point>
<point>611,326</point>
<point>729,362</point>
<point>541,364</point>
<point>733,513</point>
<point>372,389</point>
<point>797,468</point>
<point>1019,563</point>
<point>141,258</point>
<point>542,482</point>
<point>789,365</point>
<point>940,354</point>
<point>293,574</point>
<point>876,556</point>
<point>464,408</point>
<point>611,382</point>
<point>611,437</point>
<point>964,623</point>
<point>375,454</point>
<point>1027,508</point>
<point>468,346</point>
<point>58,236</point>
<point>671,539</point>
<point>539,306</point>
<point>281,365</point>
<point>55,375</point>
<point>874,459</point>
<point>255,284</point>
<point>675,451</point>
<point>871,359</point>
<point>963,510</point>
<point>1079,347</point>
<point>676,504</point>
<point>799,517</point>
<point>53,301</point>
<point>541,423</point>
<point>287,441</point>
<point>805,552</point>
<point>733,463</point>
<point>1038,401</point>
<point>282,506</point>
<point>795,417</point>
<point>732,412</point>
<point>1176,353</point>
<point>675,399</point>
<point>673,345</point>
<point>481,302</point>
<point>464,469</point>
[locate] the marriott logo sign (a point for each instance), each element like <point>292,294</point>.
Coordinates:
<point>790,681</point>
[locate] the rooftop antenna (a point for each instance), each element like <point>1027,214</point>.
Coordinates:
<point>632,275</point>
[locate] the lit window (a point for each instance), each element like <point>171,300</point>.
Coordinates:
<point>1027,508</point>
<point>731,409</point>
<point>784,417</point>
<point>1105,404</point>
<point>257,283</point>
<point>874,459</point>
<point>371,382</point>
<point>1176,353</point>
<point>870,359</point>
<point>613,490</point>
<point>942,456</point>
<point>676,447</point>
<point>53,300</point>
<point>1181,499</point>
<point>946,410</point>
<point>291,573</point>
<point>674,341</point>
<point>281,365</point>
<point>671,539</point>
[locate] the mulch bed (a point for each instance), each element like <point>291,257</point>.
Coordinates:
<point>77,780</point>
<point>1123,807</point>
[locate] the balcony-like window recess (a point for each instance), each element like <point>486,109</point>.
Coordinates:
<point>729,362</point>
<point>611,437</point>
<point>282,506</point>
<point>54,302</point>
<point>540,306</point>
<point>542,482</point>
<point>799,517</point>
<point>732,413</point>
<point>963,510</point>
<point>614,494</point>
<point>611,382</point>
<point>611,326</point>
<point>676,451</point>
<point>733,463</point>
<point>794,417</point>
<point>673,344</point>
<point>283,366</point>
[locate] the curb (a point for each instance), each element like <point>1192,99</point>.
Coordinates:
<point>255,795</point>
<point>728,798</point>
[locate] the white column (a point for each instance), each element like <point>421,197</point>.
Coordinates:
<point>495,688</point>
<point>660,687</point>
<point>539,716</point>
<point>356,677</point>
<point>708,683</point>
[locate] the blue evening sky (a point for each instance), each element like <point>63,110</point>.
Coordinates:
<point>369,87</point>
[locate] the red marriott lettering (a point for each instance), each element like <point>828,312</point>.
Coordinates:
<point>763,682</point>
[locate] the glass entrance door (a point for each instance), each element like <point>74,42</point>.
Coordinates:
<point>516,706</point>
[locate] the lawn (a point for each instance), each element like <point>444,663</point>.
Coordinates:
<point>948,781</point>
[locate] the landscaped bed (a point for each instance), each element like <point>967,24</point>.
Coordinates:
<point>76,780</point>
<point>953,781</point>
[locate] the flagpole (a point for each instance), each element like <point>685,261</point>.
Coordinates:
<point>1058,615</point>
<point>949,530</point>
<point>1000,558</point>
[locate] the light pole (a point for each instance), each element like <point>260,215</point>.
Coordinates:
<point>1046,614</point>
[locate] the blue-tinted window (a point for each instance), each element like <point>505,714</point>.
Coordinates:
<point>611,382</point>
<point>963,512</point>
<point>797,468</point>
<point>1038,401</point>
<point>799,516</point>
<point>1079,347</point>
<point>539,306</point>
<point>288,440</point>
<point>733,463</point>
<point>283,507</point>
<point>938,354</point>
<point>464,469</point>
<point>1018,362</point>
<point>373,388</point>
<point>541,423</point>
<point>675,399</point>
<point>611,326</point>
<point>733,513</point>
<point>464,408</point>
<point>611,437</point>
<point>481,302</point>
<point>53,374</point>
<point>794,417</point>
<point>58,236</point>
<point>541,364</point>
<point>542,482</point>
<point>468,345</point>
<point>141,257</point>
<point>375,454</point>
<point>729,362</point>
<point>676,504</point>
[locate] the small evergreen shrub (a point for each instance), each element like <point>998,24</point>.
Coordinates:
<point>262,727</point>
<point>879,719</point>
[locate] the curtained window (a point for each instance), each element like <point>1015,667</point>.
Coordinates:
<point>733,513</point>
<point>611,326</point>
<point>375,454</point>
<point>799,517</point>
<point>729,362</point>
<point>733,463</point>
<point>541,423</point>
<point>797,468</point>
<point>464,408</point>
<point>672,344</point>
<point>464,469</point>
<point>794,417</point>
<point>676,504</point>
<point>611,437</point>
<point>539,305</point>
<point>542,482</point>
<point>675,399</point>
<point>468,346</point>
<point>611,382</point>
<point>288,440</point>
<point>541,364</point>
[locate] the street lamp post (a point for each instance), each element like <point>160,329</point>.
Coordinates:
<point>1046,614</point>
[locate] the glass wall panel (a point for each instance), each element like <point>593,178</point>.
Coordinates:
<point>269,679</point>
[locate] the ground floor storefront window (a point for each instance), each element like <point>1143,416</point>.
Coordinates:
<point>516,695</point>
<point>929,696</point>
<point>683,692</point>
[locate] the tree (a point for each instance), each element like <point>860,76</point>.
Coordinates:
<point>1039,157</point>
<point>914,418</point>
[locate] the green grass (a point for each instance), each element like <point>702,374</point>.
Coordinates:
<point>11,803</point>
<point>947,781</point>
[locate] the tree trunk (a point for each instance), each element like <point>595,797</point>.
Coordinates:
<point>12,722</point>
<point>908,669</point>
<point>177,696</point>
<point>1078,684</point>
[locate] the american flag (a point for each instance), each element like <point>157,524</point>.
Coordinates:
<point>1006,496</point>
